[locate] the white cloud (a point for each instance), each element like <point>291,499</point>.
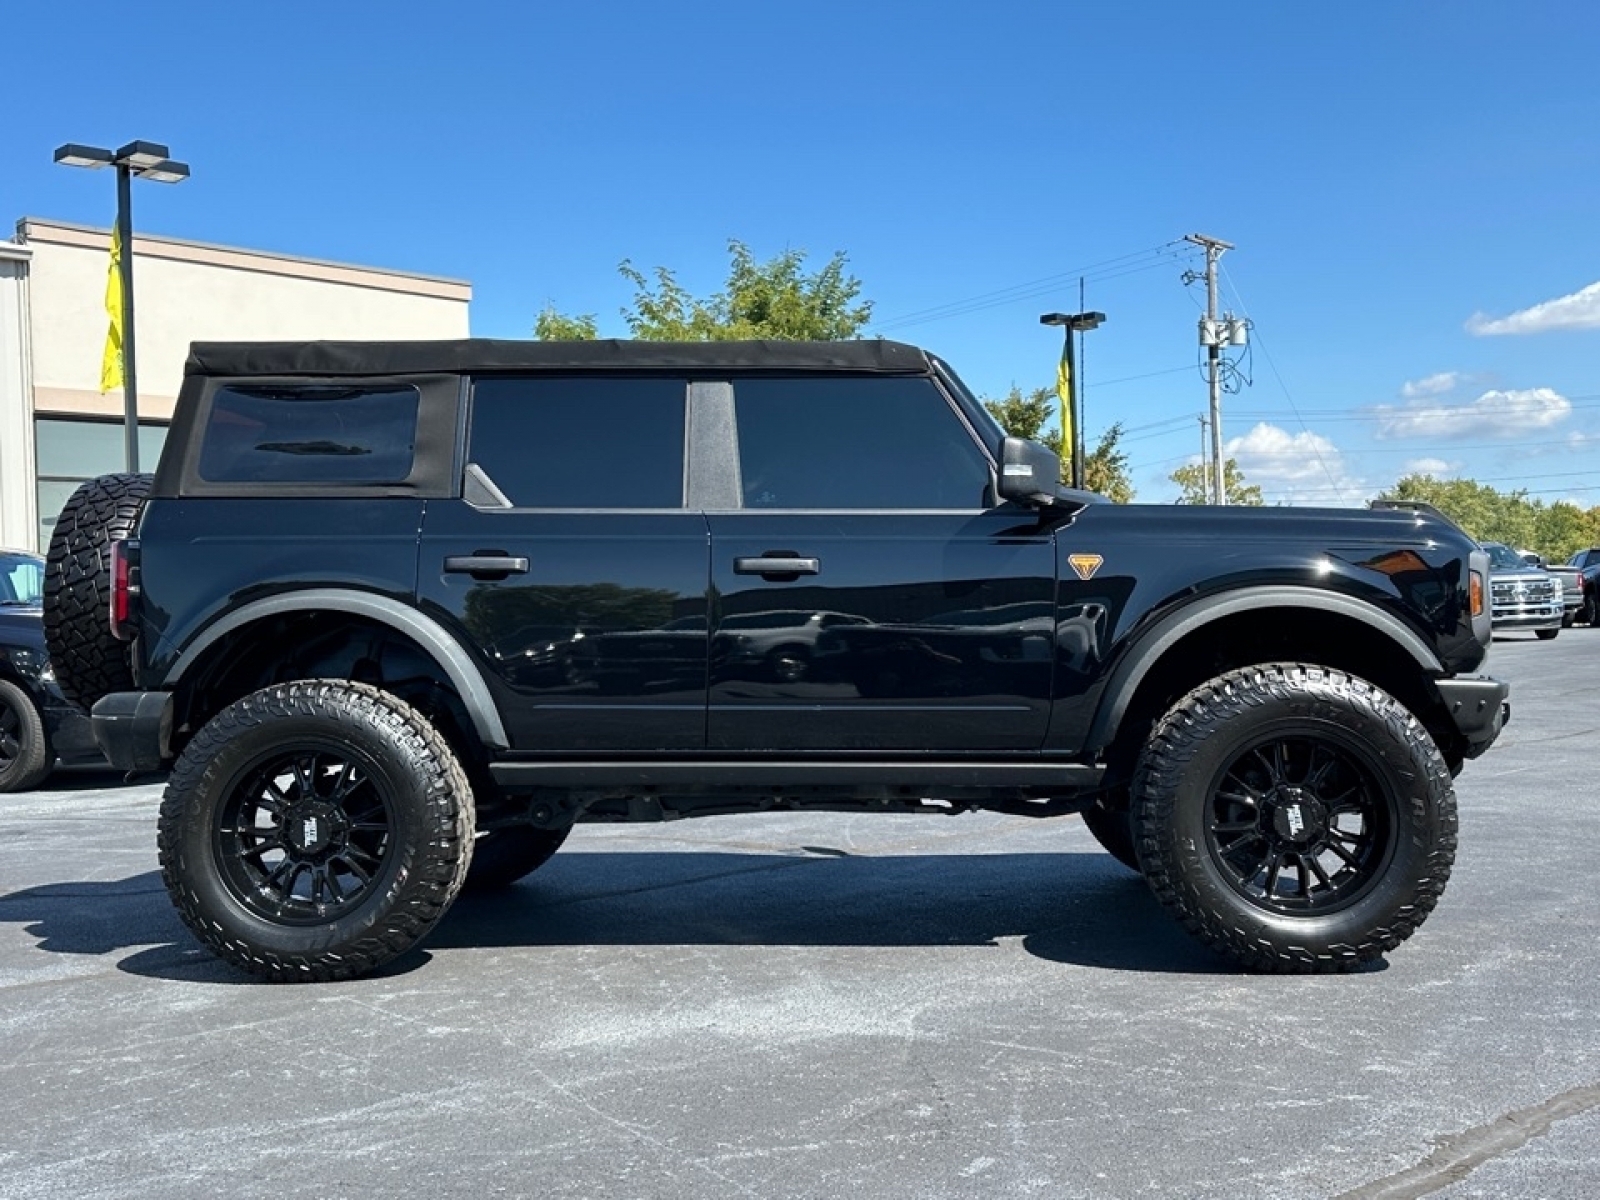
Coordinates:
<point>1495,414</point>
<point>1433,385</point>
<point>1581,310</point>
<point>1429,466</point>
<point>1296,468</point>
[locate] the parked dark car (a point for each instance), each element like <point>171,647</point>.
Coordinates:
<point>1588,563</point>
<point>38,724</point>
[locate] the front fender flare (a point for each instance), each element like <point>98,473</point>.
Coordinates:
<point>1154,642</point>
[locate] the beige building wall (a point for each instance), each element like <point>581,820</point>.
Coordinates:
<point>185,292</point>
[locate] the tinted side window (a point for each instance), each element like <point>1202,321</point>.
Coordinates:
<point>310,435</point>
<point>581,442</point>
<point>856,443</point>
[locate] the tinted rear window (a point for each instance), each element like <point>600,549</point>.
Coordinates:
<point>310,435</point>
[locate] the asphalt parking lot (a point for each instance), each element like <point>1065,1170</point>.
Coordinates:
<point>821,1005</point>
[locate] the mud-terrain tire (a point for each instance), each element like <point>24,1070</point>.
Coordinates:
<point>88,661</point>
<point>315,830</point>
<point>25,757</point>
<point>1295,818</point>
<point>500,857</point>
<point>1113,829</point>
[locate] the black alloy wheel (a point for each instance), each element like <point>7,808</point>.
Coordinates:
<point>25,758</point>
<point>304,837</point>
<point>315,830</point>
<point>1300,825</point>
<point>1294,818</point>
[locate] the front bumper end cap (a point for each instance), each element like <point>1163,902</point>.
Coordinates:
<point>1480,706</point>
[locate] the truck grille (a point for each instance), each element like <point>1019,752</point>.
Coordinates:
<point>1523,597</point>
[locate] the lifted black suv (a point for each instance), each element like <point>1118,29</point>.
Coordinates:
<point>399,610</point>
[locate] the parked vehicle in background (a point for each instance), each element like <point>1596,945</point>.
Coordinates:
<point>1571,577</point>
<point>1522,596</point>
<point>38,724</point>
<point>1588,564</point>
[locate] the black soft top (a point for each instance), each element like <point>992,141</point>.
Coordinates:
<point>488,354</point>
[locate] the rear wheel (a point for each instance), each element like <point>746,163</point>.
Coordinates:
<point>88,661</point>
<point>500,857</point>
<point>25,758</point>
<point>315,830</point>
<point>1113,829</point>
<point>1295,818</point>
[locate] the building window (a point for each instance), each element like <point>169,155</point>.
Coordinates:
<point>70,450</point>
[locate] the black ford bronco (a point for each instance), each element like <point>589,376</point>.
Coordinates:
<point>399,614</point>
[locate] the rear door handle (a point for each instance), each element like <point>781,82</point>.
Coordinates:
<point>777,566</point>
<point>486,565</point>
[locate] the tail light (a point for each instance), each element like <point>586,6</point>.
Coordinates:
<point>124,588</point>
<point>1475,593</point>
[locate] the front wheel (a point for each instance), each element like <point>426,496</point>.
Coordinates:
<point>1295,818</point>
<point>315,830</point>
<point>1546,635</point>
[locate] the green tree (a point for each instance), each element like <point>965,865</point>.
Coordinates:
<point>553,327</point>
<point>1192,480</point>
<point>776,299</point>
<point>1553,530</point>
<point>1105,468</point>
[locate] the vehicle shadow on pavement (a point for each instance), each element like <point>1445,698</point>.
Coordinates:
<point>1082,909</point>
<point>1075,909</point>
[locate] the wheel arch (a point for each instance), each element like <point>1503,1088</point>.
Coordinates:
<point>1259,625</point>
<point>349,609</point>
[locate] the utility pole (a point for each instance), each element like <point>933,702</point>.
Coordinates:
<point>1205,465</point>
<point>1212,336</point>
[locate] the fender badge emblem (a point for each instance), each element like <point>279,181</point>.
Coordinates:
<point>1085,564</point>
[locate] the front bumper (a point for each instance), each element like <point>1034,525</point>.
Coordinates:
<point>134,729</point>
<point>1480,706</point>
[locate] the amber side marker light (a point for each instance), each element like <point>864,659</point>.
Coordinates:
<point>1475,593</point>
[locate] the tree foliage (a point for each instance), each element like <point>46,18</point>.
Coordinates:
<point>774,300</point>
<point>1192,480</point>
<point>1105,468</point>
<point>1553,530</point>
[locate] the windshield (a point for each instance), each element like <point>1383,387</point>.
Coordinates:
<point>21,579</point>
<point>1504,558</point>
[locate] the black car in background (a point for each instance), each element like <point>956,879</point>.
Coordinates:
<point>38,725</point>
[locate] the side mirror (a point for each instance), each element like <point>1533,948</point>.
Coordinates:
<point>1029,474</point>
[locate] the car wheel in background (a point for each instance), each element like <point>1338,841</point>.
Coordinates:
<point>25,758</point>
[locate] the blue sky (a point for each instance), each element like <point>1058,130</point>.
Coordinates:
<point>1413,188</point>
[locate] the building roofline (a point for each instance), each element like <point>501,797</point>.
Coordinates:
<point>38,229</point>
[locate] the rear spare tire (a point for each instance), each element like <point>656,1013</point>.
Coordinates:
<point>88,661</point>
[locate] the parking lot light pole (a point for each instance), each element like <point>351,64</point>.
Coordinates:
<point>146,160</point>
<point>1071,418</point>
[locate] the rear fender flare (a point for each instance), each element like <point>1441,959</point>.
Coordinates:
<point>451,657</point>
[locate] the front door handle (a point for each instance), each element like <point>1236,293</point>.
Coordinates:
<point>778,566</point>
<point>486,565</point>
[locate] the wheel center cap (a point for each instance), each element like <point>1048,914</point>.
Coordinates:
<point>312,828</point>
<point>1297,817</point>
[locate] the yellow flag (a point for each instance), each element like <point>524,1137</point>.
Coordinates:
<point>1064,390</point>
<point>111,359</point>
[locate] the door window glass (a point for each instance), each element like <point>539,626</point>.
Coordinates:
<point>581,442</point>
<point>855,443</point>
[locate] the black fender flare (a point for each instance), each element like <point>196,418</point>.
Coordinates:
<point>1154,642</point>
<point>451,657</point>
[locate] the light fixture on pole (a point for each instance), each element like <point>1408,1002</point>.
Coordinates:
<point>142,160</point>
<point>1071,417</point>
